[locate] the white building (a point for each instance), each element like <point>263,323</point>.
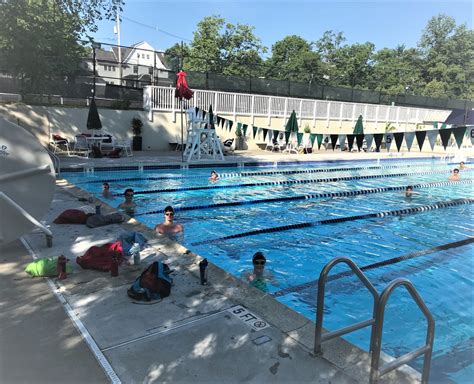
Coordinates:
<point>141,65</point>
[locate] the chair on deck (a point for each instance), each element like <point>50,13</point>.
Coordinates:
<point>124,145</point>
<point>60,144</point>
<point>81,146</point>
<point>227,146</point>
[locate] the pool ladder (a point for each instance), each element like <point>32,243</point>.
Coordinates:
<point>376,372</point>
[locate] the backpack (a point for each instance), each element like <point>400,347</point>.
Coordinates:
<point>153,284</point>
<point>100,257</point>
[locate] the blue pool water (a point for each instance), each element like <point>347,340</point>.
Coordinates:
<point>444,278</point>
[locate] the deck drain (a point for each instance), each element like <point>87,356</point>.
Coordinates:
<point>261,340</point>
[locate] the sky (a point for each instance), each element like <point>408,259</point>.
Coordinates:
<point>384,23</point>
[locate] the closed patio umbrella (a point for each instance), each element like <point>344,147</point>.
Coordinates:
<point>359,127</point>
<point>182,91</point>
<point>292,124</point>
<point>93,118</point>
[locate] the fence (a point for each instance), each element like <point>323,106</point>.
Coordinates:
<point>162,99</point>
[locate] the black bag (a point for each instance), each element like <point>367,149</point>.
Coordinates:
<point>153,284</point>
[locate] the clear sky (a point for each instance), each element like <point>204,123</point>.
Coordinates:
<point>384,23</point>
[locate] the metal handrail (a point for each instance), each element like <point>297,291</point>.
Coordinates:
<point>56,161</point>
<point>319,336</point>
<point>375,371</point>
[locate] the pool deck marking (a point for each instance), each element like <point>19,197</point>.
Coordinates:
<point>438,205</point>
<point>102,360</point>
<point>257,173</point>
<point>394,260</point>
<point>248,318</point>
<point>283,182</point>
<point>312,196</point>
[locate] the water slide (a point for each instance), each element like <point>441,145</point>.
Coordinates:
<point>27,182</point>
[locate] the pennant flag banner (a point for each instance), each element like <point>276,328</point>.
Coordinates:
<point>299,137</point>
<point>398,140</point>
<point>459,135</point>
<point>369,139</point>
<point>342,141</point>
<point>360,140</point>
<point>278,135</point>
<point>334,139</point>
<point>432,135</point>
<point>378,137</point>
<point>350,141</point>
<point>420,137</point>
<point>409,136</point>
<point>388,141</point>
<point>445,136</point>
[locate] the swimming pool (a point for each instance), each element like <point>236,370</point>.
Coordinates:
<point>262,208</point>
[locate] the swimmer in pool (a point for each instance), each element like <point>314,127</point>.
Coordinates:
<point>168,226</point>
<point>214,177</point>
<point>455,175</point>
<point>128,206</point>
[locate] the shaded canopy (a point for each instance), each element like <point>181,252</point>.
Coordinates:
<point>292,124</point>
<point>359,127</point>
<point>93,118</point>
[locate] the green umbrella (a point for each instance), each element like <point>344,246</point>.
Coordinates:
<point>292,124</point>
<point>359,127</point>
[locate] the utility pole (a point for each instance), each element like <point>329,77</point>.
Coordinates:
<point>119,47</point>
<point>94,47</point>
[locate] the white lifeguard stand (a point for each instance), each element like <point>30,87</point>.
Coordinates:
<point>202,142</point>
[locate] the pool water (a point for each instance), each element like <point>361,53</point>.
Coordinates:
<point>295,257</point>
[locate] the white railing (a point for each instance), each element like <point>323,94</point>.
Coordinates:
<point>240,104</point>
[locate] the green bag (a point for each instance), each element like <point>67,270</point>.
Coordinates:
<point>46,267</point>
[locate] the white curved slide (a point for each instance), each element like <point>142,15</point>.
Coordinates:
<point>27,182</point>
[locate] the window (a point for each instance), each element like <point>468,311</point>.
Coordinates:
<point>105,67</point>
<point>135,69</point>
<point>138,55</point>
<point>148,57</point>
<point>150,70</point>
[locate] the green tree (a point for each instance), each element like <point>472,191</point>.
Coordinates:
<point>39,38</point>
<point>353,65</point>
<point>176,55</point>
<point>293,59</point>
<point>447,51</point>
<point>224,48</point>
<point>397,70</point>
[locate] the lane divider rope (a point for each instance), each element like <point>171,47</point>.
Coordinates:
<point>307,197</point>
<point>398,212</point>
<point>283,182</point>
<point>408,256</point>
<point>259,173</point>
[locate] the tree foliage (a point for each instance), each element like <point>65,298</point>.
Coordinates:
<point>440,66</point>
<point>39,39</point>
<point>224,48</point>
<point>293,59</point>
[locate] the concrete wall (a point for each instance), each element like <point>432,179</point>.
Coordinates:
<point>157,134</point>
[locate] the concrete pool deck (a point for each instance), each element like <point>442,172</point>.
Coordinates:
<point>191,336</point>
